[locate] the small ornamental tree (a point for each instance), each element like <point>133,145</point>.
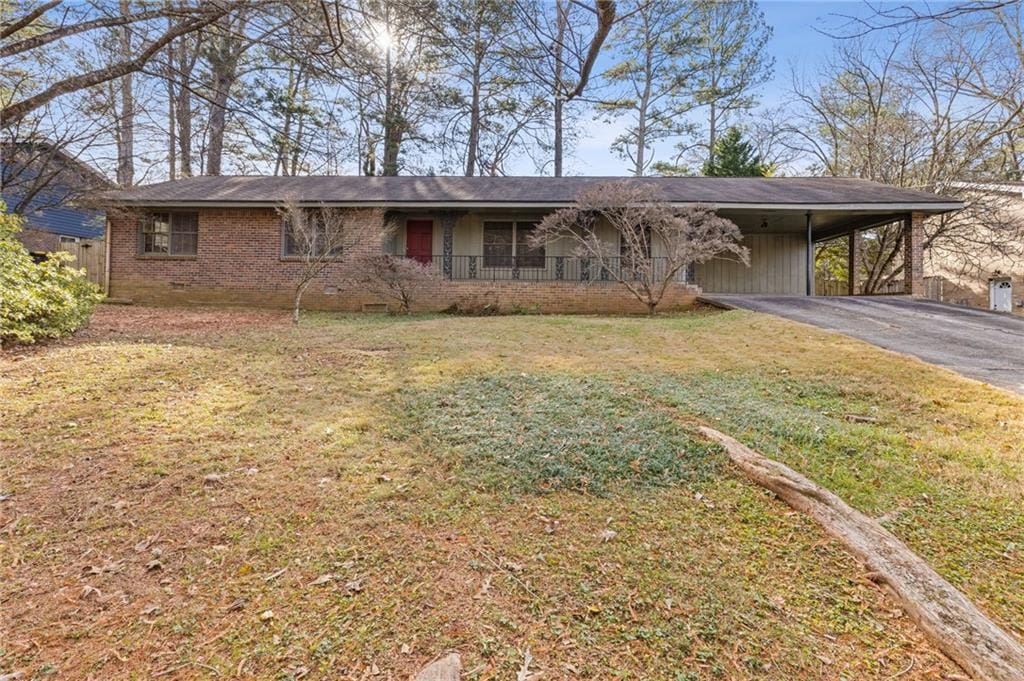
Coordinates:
<point>389,276</point>
<point>42,300</point>
<point>392,277</point>
<point>654,240</point>
<point>315,237</point>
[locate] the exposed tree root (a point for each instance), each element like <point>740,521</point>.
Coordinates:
<point>946,616</point>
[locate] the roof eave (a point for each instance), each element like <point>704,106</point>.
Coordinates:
<point>909,207</point>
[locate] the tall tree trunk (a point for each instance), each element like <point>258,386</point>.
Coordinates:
<point>296,146</point>
<point>184,108</point>
<point>392,145</point>
<point>281,162</point>
<point>562,19</point>
<point>473,143</point>
<point>218,122</point>
<point>558,136</point>
<point>224,67</point>
<point>712,131</point>
<point>126,123</point>
<point>172,141</point>
<point>392,122</point>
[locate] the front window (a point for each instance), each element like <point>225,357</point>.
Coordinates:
<point>316,236</point>
<point>506,244</point>
<point>169,233</point>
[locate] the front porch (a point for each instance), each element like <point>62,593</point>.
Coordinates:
<point>493,246</point>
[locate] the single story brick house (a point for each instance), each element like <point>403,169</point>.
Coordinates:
<point>221,239</point>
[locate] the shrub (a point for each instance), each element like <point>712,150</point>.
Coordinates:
<point>39,300</point>
<point>392,277</point>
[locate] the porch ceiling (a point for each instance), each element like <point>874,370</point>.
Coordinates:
<point>825,224</point>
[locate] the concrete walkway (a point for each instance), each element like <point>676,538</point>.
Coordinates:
<point>983,345</point>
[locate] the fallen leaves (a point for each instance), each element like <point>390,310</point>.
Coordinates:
<point>323,579</point>
<point>236,605</point>
<point>274,575</point>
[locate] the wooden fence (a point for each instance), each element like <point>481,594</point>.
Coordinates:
<point>90,254</point>
<point>933,288</point>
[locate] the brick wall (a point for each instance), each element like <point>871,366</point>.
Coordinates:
<point>239,262</point>
<point>913,255</point>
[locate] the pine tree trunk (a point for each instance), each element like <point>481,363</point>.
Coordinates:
<point>126,123</point>
<point>172,124</point>
<point>473,143</point>
<point>184,109</point>
<point>392,123</point>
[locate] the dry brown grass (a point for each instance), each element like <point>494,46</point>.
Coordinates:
<point>249,459</point>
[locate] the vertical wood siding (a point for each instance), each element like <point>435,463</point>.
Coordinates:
<point>776,266</point>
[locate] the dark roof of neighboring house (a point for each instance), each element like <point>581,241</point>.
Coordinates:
<point>43,182</point>
<point>1013,187</point>
<point>754,192</point>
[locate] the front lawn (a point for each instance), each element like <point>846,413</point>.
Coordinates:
<point>212,493</point>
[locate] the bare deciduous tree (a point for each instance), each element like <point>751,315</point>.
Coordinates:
<point>629,234</point>
<point>930,114</point>
<point>188,19</point>
<point>316,238</point>
<point>563,55</point>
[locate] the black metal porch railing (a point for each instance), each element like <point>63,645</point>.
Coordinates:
<point>546,268</point>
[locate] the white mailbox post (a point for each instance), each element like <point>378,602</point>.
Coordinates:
<point>1000,294</point>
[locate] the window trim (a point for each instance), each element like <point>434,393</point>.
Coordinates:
<point>141,251</point>
<point>515,244</point>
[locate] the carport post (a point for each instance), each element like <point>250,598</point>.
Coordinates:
<point>853,263</point>
<point>913,254</point>
<point>810,257</point>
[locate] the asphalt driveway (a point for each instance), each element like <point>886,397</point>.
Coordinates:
<point>983,345</point>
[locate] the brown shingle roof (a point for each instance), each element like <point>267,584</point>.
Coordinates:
<point>479,191</point>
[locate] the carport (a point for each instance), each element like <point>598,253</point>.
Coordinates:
<point>782,237</point>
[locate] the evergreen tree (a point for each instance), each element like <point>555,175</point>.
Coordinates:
<point>735,157</point>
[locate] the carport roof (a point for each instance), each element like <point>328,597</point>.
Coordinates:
<point>756,193</point>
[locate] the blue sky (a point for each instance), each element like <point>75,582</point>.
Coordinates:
<point>795,44</point>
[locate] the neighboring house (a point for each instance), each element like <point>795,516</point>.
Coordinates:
<point>956,282</point>
<point>48,187</point>
<point>221,239</point>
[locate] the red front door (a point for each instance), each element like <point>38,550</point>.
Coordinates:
<point>419,240</point>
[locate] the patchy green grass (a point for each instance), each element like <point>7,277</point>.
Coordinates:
<point>530,433</point>
<point>211,493</point>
